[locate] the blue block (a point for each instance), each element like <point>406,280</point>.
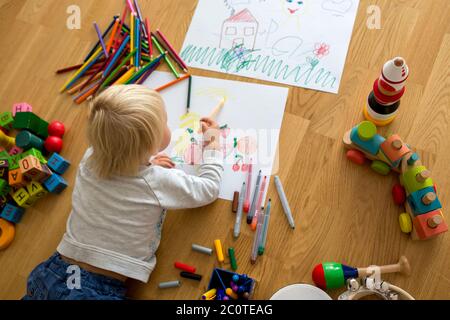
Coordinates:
<point>372,146</point>
<point>418,207</point>
<point>58,164</point>
<point>12,213</point>
<point>55,184</point>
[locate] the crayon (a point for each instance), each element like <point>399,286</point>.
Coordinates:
<point>209,294</point>
<point>232,256</point>
<point>190,275</point>
<point>219,252</point>
<point>169,284</point>
<point>202,249</point>
<point>184,267</point>
<point>284,202</point>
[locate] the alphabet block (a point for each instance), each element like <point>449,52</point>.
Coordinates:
<point>13,162</point>
<point>58,164</point>
<point>15,150</point>
<point>12,213</point>
<point>35,153</point>
<point>36,190</point>
<point>22,198</point>
<point>423,201</point>
<point>4,187</point>
<point>4,167</point>
<point>21,107</point>
<point>31,168</point>
<point>55,183</point>
<point>6,120</point>
<point>16,179</point>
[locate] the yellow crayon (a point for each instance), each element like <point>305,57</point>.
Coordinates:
<point>209,294</point>
<point>125,77</point>
<point>219,250</point>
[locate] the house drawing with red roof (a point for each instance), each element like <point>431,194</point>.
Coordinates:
<point>240,29</point>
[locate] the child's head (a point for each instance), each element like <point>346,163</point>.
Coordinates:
<point>127,125</point>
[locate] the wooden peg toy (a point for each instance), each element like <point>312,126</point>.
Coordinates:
<point>416,190</point>
<point>332,275</point>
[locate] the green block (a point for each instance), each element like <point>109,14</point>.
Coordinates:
<point>34,152</point>
<point>43,129</point>
<point>409,181</point>
<point>7,120</point>
<point>13,161</point>
<point>4,155</point>
<point>27,120</point>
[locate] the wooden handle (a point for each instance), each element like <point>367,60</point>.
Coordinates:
<point>402,266</point>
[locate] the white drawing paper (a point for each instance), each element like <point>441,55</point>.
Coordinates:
<point>250,119</point>
<point>301,43</point>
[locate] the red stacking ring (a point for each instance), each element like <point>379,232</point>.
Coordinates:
<point>384,99</point>
<point>386,86</point>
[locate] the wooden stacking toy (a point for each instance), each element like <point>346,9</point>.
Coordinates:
<point>384,100</point>
<point>29,170</point>
<point>424,218</point>
<point>332,275</point>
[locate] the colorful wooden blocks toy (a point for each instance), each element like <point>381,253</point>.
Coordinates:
<point>31,168</point>
<point>58,164</point>
<point>416,190</point>
<point>35,153</point>
<point>26,140</point>
<point>36,190</point>
<point>4,167</point>
<point>31,122</point>
<point>22,198</point>
<point>4,187</point>
<point>15,150</point>
<point>21,107</point>
<point>12,213</point>
<point>7,120</point>
<point>55,183</point>
<point>16,179</point>
<point>13,161</point>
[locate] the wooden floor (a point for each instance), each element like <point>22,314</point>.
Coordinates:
<point>344,213</point>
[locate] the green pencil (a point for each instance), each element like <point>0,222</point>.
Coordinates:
<point>111,76</point>
<point>189,94</point>
<point>160,49</point>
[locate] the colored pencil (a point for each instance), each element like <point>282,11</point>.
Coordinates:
<point>141,19</point>
<point>116,56</point>
<point>102,42</point>
<point>125,77</point>
<point>113,74</point>
<point>144,44</point>
<point>93,75</point>
<point>149,41</point>
<point>137,34</point>
<point>78,86</point>
<point>119,33</point>
<point>92,60</point>
<point>148,73</point>
<point>189,95</point>
<point>113,35</point>
<point>78,66</point>
<point>133,40</point>
<point>139,73</point>
<point>130,6</point>
<point>94,48</point>
<point>86,94</point>
<point>172,51</point>
<point>171,67</point>
<point>167,85</point>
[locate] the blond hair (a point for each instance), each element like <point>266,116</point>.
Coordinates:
<point>126,123</point>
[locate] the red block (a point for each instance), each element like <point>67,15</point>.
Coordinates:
<point>423,230</point>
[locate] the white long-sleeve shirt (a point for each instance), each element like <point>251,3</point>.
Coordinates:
<point>115,224</point>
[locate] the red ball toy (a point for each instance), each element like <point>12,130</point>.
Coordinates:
<point>57,129</point>
<point>53,144</point>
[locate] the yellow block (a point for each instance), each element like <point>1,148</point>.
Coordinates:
<point>36,190</point>
<point>22,198</point>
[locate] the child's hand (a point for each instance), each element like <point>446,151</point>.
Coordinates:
<point>211,133</point>
<point>162,160</point>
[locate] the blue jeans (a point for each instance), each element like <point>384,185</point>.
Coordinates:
<point>53,280</point>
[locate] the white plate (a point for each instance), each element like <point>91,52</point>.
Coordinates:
<point>300,292</point>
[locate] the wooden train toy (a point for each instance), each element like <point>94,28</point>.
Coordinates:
<point>417,192</point>
<point>30,165</point>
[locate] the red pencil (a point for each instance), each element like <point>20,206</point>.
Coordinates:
<point>171,50</point>
<point>122,21</point>
<point>149,38</point>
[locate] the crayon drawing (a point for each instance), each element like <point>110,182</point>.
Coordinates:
<point>302,43</point>
<point>249,122</point>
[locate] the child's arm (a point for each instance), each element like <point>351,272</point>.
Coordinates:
<point>176,190</point>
